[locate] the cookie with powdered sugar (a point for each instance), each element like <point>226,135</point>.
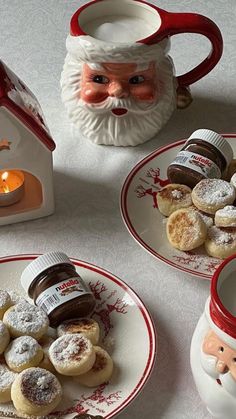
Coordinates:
<point>226,217</point>
<point>221,242</point>
<point>209,195</point>
<point>22,353</point>
<point>173,197</point>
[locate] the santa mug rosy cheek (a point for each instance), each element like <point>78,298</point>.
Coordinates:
<point>213,347</point>
<point>123,56</point>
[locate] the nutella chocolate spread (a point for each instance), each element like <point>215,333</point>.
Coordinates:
<point>53,283</point>
<point>205,154</point>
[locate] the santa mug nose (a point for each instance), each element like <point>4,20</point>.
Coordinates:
<point>117,89</point>
<point>222,367</point>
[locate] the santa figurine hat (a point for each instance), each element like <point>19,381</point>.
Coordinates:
<point>88,49</point>
<point>219,309</point>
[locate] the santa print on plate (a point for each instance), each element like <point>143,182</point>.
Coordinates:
<point>118,311</point>
<point>147,225</point>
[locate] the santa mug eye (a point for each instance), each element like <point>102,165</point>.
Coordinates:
<point>221,349</point>
<point>136,80</point>
<point>100,79</point>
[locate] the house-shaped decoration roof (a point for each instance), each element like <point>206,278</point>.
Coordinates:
<point>21,102</point>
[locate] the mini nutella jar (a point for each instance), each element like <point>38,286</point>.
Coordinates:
<point>52,282</point>
<point>205,154</point>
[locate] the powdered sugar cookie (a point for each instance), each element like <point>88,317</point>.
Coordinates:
<point>26,319</point>
<point>87,327</point>
<point>36,392</point>
<point>23,352</point>
<point>221,242</point>
<point>226,217</point>
<point>209,195</point>
<point>173,197</point>
<point>185,229</point>
<point>5,302</point>
<point>6,379</point>
<point>72,354</point>
<point>100,372</point>
<point>207,218</point>
<point>4,337</point>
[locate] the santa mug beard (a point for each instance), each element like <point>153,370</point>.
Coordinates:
<point>97,121</point>
<point>226,380</point>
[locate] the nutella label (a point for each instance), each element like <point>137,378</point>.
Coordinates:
<point>60,293</point>
<point>198,163</point>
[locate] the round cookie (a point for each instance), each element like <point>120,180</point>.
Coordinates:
<point>72,354</point>
<point>6,379</point>
<point>87,327</point>
<point>226,217</point>
<point>45,343</point>
<point>173,197</point>
<point>185,229</point>
<point>5,302</point>
<point>23,352</point>
<point>209,195</point>
<point>100,372</point>
<point>207,218</point>
<point>221,242</point>
<point>26,319</point>
<point>4,337</point>
<point>36,392</point>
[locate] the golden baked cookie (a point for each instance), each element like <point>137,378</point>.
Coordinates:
<point>185,229</point>
<point>36,392</point>
<point>26,319</point>
<point>6,379</point>
<point>100,372</point>
<point>72,354</point>
<point>23,352</point>
<point>4,337</point>
<point>5,302</point>
<point>86,326</point>
<point>226,217</point>
<point>209,195</point>
<point>221,242</point>
<point>172,197</point>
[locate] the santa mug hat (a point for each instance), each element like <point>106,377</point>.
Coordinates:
<point>220,309</point>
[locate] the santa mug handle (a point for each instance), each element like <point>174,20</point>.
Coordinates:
<point>177,23</point>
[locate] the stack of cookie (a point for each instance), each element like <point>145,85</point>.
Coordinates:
<point>31,356</point>
<point>205,215</point>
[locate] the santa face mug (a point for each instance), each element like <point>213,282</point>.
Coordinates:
<point>213,347</point>
<point>118,82</point>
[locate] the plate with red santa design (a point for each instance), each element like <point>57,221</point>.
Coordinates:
<point>147,225</point>
<point>118,311</point>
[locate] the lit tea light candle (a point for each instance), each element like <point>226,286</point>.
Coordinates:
<point>11,187</point>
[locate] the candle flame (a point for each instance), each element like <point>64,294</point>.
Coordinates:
<point>4,178</point>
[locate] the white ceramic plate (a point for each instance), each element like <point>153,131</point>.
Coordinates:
<point>146,224</point>
<point>128,334</point>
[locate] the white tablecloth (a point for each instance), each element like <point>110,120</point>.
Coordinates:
<point>87,223</point>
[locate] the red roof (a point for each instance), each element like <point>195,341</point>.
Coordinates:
<point>15,96</point>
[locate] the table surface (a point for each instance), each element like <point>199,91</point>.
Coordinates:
<point>87,223</point>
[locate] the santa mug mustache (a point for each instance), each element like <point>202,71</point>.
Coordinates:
<point>110,56</point>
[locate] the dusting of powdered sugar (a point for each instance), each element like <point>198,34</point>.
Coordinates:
<point>69,347</point>
<point>21,350</point>
<point>222,236</point>
<point>15,297</point>
<point>176,194</point>
<point>26,318</point>
<point>5,300</point>
<point>6,377</point>
<point>228,211</point>
<point>214,191</point>
<point>208,220</point>
<point>39,386</point>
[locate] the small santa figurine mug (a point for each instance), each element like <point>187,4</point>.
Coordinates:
<point>213,347</point>
<point>118,82</point>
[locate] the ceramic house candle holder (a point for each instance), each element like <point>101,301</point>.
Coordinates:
<point>26,146</point>
<point>213,347</point>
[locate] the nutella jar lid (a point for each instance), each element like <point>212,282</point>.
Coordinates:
<point>40,265</point>
<point>216,140</point>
